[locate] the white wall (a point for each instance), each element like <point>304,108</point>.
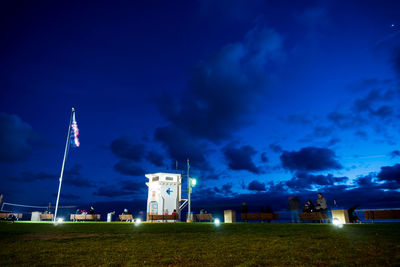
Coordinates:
<point>164,194</point>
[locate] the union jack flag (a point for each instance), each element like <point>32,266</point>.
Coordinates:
<point>74,133</point>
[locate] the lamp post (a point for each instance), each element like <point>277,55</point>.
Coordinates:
<point>189,217</point>
<point>191,182</point>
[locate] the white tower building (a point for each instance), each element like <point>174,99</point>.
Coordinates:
<point>164,193</point>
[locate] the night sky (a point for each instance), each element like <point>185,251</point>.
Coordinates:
<point>266,98</point>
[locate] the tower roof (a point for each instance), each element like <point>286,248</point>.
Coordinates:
<point>151,175</point>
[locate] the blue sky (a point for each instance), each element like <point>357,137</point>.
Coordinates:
<point>266,99</point>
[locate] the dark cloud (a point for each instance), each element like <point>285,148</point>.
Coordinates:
<point>155,158</point>
<point>67,196</point>
<point>383,112</point>
<point>276,148</point>
<point>205,193</point>
<point>276,187</point>
<point>224,189</point>
<point>337,117</point>
<point>367,190</point>
<point>390,173</point>
<point>341,179</point>
<point>322,131</point>
<point>375,110</point>
<point>209,175</point>
<point>397,61</point>
<point>78,182</point>
<point>74,177</point>
<point>345,120</point>
<point>124,148</point>
<point>181,146</point>
<point>367,84</point>
<point>374,182</point>
<point>365,181</point>
<point>361,134</point>
<point>372,106</point>
<point>31,177</point>
<point>223,89</point>
<point>131,153</point>
<point>333,141</point>
<point>319,132</point>
<point>128,167</point>
<point>71,176</point>
<point>395,153</point>
<point>256,186</point>
<point>365,103</point>
<point>122,188</point>
<point>304,181</point>
<point>16,138</point>
<point>133,185</point>
<point>73,171</point>
<point>264,157</point>
<point>241,158</point>
<point>298,119</point>
<point>107,191</point>
<point>367,197</point>
<point>310,159</point>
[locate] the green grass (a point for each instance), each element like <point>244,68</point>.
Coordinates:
<point>197,244</point>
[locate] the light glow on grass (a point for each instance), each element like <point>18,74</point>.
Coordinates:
<point>138,221</point>
<point>336,222</point>
<point>59,220</point>
<point>217,222</point>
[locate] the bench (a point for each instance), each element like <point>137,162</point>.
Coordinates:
<point>157,217</point>
<point>84,217</point>
<point>312,216</point>
<point>46,216</point>
<point>126,217</point>
<point>382,214</point>
<point>203,217</point>
<point>263,216</point>
<point>6,215</point>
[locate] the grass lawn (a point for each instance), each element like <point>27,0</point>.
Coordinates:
<point>243,244</point>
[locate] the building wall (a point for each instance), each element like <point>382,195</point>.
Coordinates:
<point>163,195</point>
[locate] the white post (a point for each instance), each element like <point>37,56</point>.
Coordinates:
<point>189,218</point>
<point>63,165</point>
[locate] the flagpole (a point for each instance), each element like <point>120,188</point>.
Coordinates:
<point>63,165</point>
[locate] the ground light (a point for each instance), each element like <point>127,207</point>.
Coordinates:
<point>59,220</point>
<point>138,221</point>
<point>336,222</point>
<point>217,222</point>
